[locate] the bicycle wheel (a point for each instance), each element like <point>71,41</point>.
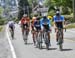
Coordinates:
<point>60,40</point>
<point>60,47</point>
<point>40,41</point>
<point>25,37</point>
<point>47,45</point>
<point>12,34</point>
<point>46,41</point>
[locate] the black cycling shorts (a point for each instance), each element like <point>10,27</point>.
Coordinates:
<point>25,25</point>
<point>46,27</point>
<point>11,27</point>
<point>38,28</point>
<point>59,24</point>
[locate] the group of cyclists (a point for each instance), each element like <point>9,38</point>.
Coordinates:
<point>40,24</point>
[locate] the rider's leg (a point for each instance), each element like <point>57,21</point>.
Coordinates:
<point>33,35</point>
<point>22,31</point>
<point>49,37</point>
<point>62,34</point>
<point>56,35</point>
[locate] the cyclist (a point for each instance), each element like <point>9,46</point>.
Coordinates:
<point>37,26</point>
<point>11,25</point>
<point>45,24</point>
<point>58,22</point>
<point>32,27</point>
<point>25,21</point>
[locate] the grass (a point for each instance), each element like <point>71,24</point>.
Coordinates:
<point>1,28</point>
<point>70,26</point>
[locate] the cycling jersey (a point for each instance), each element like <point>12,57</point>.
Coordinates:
<point>58,21</point>
<point>32,22</point>
<point>37,25</point>
<point>45,23</point>
<point>25,20</point>
<point>11,25</point>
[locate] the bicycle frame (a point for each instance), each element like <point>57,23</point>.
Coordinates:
<point>60,40</point>
<point>12,33</point>
<point>25,35</point>
<point>46,38</point>
<point>39,39</point>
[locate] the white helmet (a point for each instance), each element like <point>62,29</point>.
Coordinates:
<point>25,15</point>
<point>57,12</point>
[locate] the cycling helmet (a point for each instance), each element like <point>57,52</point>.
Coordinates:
<point>44,17</point>
<point>25,15</point>
<point>38,18</point>
<point>57,13</point>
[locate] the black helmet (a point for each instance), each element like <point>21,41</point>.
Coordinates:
<point>44,17</point>
<point>38,18</point>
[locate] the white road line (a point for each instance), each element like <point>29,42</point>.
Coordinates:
<point>10,43</point>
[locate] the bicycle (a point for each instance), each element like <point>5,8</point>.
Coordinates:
<point>46,39</point>
<point>60,40</point>
<point>38,39</point>
<point>25,35</point>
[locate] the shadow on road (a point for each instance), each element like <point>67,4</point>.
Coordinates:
<point>52,48</point>
<point>67,49</point>
<point>49,48</point>
<point>29,44</point>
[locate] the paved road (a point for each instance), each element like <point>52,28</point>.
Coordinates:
<point>4,46</point>
<point>29,51</point>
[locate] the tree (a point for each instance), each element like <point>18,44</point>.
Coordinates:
<point>33,2</point>
<point>1,12</point>
<point>66,4</point>
<point>23,4</point>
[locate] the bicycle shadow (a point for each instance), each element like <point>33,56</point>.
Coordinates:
<point>66,49</point>
<point>49,48</point>
<point>29,44</point>
<point>52,48</point>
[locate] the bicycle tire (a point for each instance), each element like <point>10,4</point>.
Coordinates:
<point>60,47</point>
<point>25,37</point>
<point>12,34</point>
<point>60,40</point>
<point>46,41</point>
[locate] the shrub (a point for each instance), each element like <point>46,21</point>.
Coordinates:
<point>52,13</point>
<point>2,21</point>
<point>69,18</point>
<point>1,28</point>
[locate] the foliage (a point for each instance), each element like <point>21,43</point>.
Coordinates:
<point>69,18</point>
<point>70,26</point>
<point>66,4</point>
<point>32,2</point>
<point>2,21</point>
<point>1,12</point>
<point>52,13</point>
<point>22,5</point>
<point>1,28</point>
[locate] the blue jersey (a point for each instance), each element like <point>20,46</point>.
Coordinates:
<point>45,21</point>
<point>58,19</point>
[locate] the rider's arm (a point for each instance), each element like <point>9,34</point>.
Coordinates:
<point>41,23</point>
<point>21,21</point>
<point>49,23</point>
